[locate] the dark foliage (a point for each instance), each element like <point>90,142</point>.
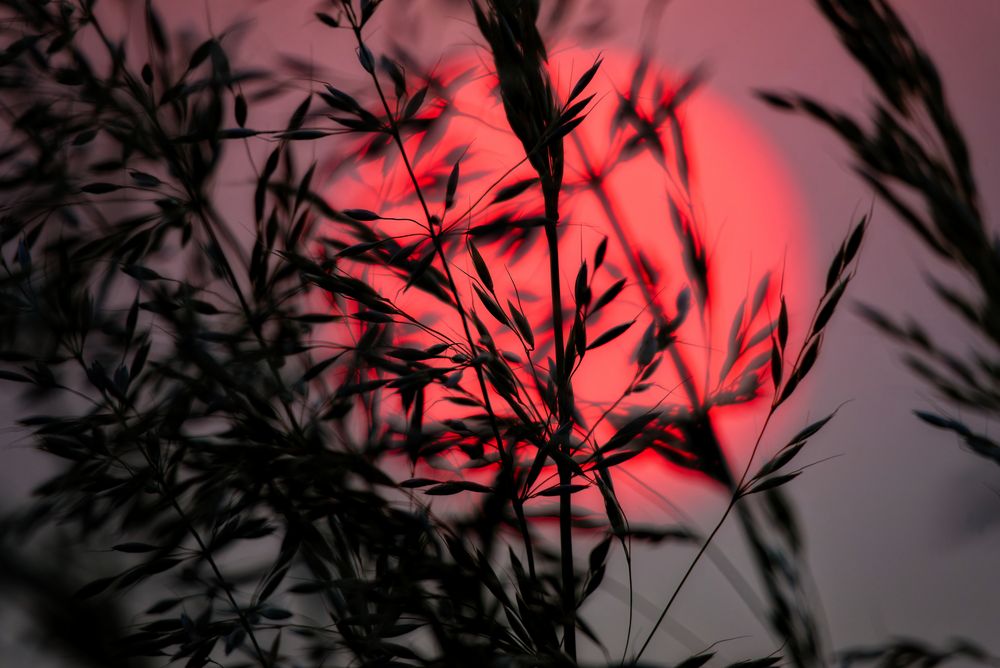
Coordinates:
<point>232,408</point>
<point>913,154</point>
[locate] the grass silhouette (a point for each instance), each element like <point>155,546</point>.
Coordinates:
<point>231,415</point>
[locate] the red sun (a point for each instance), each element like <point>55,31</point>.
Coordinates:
<point>645,143</point>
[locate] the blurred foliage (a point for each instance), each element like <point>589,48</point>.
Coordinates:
<point>913,154</point>
<point>234,459</point>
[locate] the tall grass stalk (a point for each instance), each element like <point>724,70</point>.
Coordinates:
<point>251,430</point>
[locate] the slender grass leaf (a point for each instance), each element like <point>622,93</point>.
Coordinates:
<point>15,377</point>
<point>811,429</point>
<point>780,459</point>
<point>141,273</point>
<point>366,59</point>
<point>482,269</point>
<point>773,482</point>
<point>826,312</point>
<point>457,487</point>
<point>328,20</point>
<point>100,188</point>
<point>492,306</point>
<point>94,588</point>
<point>776,364</point>
<point>782,325</point>
<point>610,335</point>
<point>602,249</point>
<point>558,490</point>
<point>513,190</point>
<point>363,215</point>
<point>452,187</point>
<point>584,80</point>
<point>135,548</point>
<point>522,324</point>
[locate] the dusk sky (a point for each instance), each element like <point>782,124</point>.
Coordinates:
<point>902,525</point>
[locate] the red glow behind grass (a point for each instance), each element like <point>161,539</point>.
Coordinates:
<point>742,205</point>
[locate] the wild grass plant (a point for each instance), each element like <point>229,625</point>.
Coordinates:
<point>912,153</point>
<point>232,413</point>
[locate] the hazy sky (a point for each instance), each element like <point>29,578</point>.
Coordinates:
<point>903,526</point>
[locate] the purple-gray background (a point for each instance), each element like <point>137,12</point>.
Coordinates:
<point>902,528</point>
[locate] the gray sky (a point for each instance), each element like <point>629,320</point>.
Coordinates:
<point>903,526</point>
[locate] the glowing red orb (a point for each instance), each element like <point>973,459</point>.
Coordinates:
<point>644,144</point>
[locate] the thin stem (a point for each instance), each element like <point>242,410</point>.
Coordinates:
<point>551,194</point>
<point>244,622</point>
<point>506,457</point>
<point>164,487</point>
<point>207,218</point>
<point>737,494</point>
<point>610,208</point>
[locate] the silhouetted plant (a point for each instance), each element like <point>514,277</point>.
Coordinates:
<point>232,418</point>
<point>914,155</point>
